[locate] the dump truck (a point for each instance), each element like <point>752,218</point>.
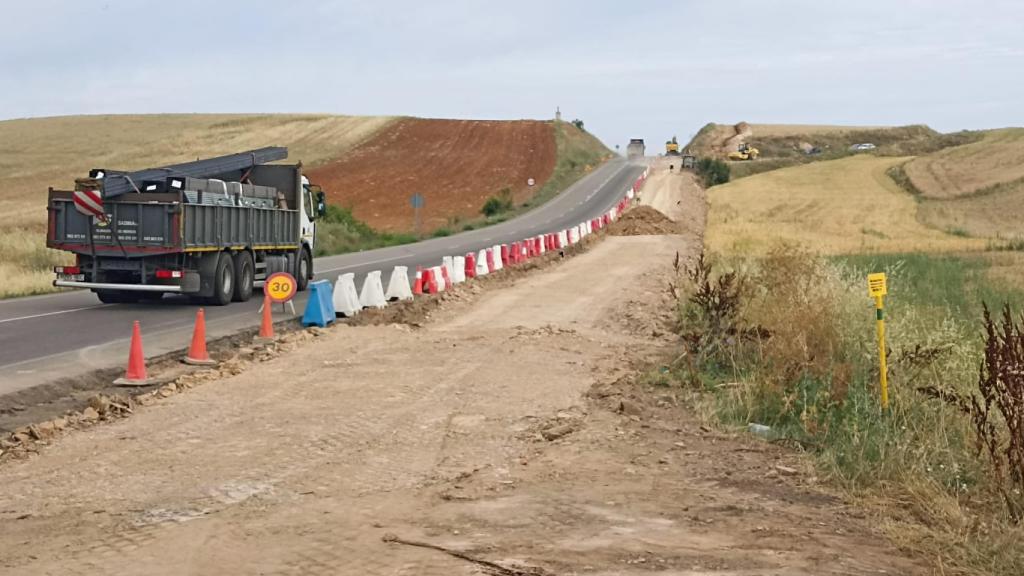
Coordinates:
<point>212,229</point>
<point>636,148</point>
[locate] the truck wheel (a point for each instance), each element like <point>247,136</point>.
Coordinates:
<point>223,281</point>
<point>303,267</point>
<point>243,276</point>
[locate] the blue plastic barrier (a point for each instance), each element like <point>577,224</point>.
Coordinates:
<point>320,307</point>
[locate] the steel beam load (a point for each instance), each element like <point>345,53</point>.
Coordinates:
<point>116,183</point>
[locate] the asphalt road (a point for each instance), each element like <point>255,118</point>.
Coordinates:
<point>44,338</point>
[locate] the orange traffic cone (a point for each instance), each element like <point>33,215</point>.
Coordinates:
<point>267,324</point>
<point>197,354</point>
<point>417,287</point>
<point>135,375</point>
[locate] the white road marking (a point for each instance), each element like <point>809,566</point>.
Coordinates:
<point>54,313</point>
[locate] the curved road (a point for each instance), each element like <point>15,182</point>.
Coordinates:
<point>44,338</point>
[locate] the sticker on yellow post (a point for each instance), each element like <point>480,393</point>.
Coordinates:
<point>876,284</point>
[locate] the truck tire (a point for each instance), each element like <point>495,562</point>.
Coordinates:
<point>303,269</point>
<point>223,281</point>
<point>244,274</point>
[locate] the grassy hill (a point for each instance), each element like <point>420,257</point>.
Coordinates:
<point>834,207</point>
<point>783,145</point>
<point>975,189</point>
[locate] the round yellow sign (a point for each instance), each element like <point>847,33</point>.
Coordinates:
<point>280,287</point>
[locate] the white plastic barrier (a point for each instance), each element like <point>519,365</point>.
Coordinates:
<point>448,264</point>
<point>629,193</point>
<point>540,240</point>
<point>481,263</point>
<point>496,252</point>
<point>590,226</point>
<point>346,299</point>
<point>398,285</point>
<point>563,238</point>
<point>439,278</point>
<point>574,235</point>
<point>372,294</point>
<point>459,273</point>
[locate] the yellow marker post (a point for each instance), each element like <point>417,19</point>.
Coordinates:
<point>877,290</point>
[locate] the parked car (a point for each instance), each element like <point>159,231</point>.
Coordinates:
<point>862,147</point>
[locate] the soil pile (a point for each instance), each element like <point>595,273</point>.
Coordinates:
<point>643,221</point>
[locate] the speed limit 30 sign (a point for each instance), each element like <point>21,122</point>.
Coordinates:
<point>280,287</point>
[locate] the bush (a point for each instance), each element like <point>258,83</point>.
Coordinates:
<point>339,231</point>
<point>712,171</point>
<point>496,205</point>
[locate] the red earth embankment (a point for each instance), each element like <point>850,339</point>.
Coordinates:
<point>455,164</point>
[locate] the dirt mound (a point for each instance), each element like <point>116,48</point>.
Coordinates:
<point>454,164</point>
<point>643,221</point>
<point>743,133</point>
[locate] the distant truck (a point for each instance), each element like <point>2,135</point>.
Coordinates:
<point>212,229</point>
<point>636,148</point>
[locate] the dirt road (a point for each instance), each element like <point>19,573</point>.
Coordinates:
<point>505,432</point>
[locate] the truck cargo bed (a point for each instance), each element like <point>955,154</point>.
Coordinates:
<point>145,224</point>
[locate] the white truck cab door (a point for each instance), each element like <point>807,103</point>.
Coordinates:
<point>308,212</point>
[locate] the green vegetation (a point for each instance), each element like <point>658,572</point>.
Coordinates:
<point>788,341</point>
<point>495,205</point>
<point>898,173</point>
<point>339,232</point>
<point>712,172</point>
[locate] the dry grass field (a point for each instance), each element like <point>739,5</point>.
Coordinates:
<point>834,207</point>
<point>38,153</point>
<point>997,158</point>
<point>975,189</point>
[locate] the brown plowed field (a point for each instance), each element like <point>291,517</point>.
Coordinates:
<point>455,164</point>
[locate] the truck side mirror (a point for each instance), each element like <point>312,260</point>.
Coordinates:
<point>321,204</point>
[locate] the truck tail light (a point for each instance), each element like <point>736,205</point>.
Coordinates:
<point>67,270</point>
<point>168,274</point>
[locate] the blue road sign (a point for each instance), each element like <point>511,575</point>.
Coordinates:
<point>417,200</point>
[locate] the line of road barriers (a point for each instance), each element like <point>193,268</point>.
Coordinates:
<point>327,303</point>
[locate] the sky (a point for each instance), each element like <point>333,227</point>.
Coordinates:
<point>627,69</point>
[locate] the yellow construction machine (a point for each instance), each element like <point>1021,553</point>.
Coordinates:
<point>744,152</point>
<point>672,147</point>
